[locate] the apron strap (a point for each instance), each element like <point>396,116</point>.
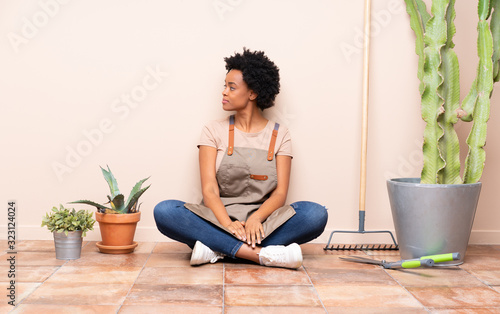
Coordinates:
<point>270,152</point>
<point>231,136</point>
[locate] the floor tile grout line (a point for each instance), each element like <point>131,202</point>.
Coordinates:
<point>40,285</point>
<point>482,281</point>
<point>411,294</point>
<point>267,285</point>
<point>314,289</point>
<point>138,275</point>
<point>86,243</point>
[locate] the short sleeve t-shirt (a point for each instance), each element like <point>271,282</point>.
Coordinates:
<point>216,134</point>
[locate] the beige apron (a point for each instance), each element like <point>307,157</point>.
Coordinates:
<point>246,178</point>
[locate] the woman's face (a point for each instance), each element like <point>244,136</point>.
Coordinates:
<point>236,94</point>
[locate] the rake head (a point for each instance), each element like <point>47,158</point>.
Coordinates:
<point>360,247</point>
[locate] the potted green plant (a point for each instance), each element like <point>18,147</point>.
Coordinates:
<point>118,220</point>
<point>68,227</point>
<point>434,213</point>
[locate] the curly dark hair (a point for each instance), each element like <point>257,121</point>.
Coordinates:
<point>260,74</point>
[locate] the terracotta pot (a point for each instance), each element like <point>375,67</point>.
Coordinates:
<point>117,230</point>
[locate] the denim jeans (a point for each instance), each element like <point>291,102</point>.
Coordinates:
<point>180,224</point>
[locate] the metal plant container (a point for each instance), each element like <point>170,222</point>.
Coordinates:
<point>68,247</point>
<point>432,218</point>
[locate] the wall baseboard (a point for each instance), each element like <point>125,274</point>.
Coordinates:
<point>151,234</point>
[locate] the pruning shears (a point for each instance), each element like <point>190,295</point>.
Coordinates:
<point>424,261</point>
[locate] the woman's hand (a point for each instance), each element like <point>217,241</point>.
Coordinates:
<point>254,231</point>
<point>238,229</point>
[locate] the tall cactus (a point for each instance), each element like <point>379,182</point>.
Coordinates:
<point>432,102</point>
<point>438,71</point>
<point>450,90</point>
<point>474,162</point>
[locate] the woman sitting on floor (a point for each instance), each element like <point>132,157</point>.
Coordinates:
<point>245,162</point>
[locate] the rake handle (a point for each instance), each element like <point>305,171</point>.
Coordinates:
<point>364,126</point>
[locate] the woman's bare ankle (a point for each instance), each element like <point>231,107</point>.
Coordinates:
<point>249,253</point>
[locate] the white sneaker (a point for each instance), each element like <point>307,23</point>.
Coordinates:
<point>281,256</point>
<point>202,254</point>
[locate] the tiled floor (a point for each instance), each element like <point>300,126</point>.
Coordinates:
<point>157,278</point>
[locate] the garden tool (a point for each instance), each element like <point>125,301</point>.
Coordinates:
<point>364,136</point>
<point>424,261</point>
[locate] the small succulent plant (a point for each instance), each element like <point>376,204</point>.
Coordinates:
<point>67,220</point>
<point>117,203</point>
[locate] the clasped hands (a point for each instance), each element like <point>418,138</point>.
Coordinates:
<point>251,231</point>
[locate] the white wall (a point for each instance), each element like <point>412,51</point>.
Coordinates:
<point>66,68</point>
